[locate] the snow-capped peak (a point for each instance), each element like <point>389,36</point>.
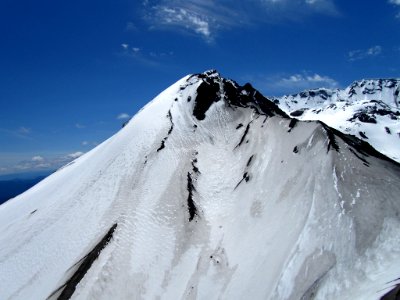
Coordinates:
<point>368,109</point>
<point>209,87</point>
<point>209,192</point>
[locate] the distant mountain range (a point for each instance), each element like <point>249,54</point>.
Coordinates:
<point>368,109</point>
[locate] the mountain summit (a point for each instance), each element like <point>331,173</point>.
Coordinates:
<point>210,192</point>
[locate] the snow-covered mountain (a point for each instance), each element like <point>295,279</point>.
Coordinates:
<point>369,109</point>
<point>209,192</point>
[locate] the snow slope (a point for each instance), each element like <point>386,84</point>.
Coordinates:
<point>209,192</point>
<point>369,109</point>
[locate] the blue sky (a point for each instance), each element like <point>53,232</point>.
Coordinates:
<point>73,71</point>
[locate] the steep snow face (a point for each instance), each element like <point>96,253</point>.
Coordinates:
<point>369,109</point>
<point>209,192</point>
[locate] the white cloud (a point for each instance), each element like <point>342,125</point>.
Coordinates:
<point>123,116</point>
<point>396,2</point>
<point>38,163</point>
<point>75,155</point>
<point>126,47</point>
<point>277,85</point>
<point>364,53</point>
<point>305,81</point>
<point>85,143</point>
<point>37,158</point>
<point>184,18</point>
<point>206,17</point>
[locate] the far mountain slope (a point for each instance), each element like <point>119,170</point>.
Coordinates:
<point>368,109</point>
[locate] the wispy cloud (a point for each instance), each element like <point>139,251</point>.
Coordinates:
<point>123,116</point>
<point>196,17</point>
<point>22,132</point>
<point>39,162</point>
<point>277,85</point>
<point>130,26</point>
<point>307,81</point>
<point>205,18</point>
<point>294,9</point>
<point>364,53</point>
<point>75,155</point>
<point>151,58</point>
<point>397,3</point>
<point>79,126</point>
<point>37,158</point>
<point>128,49</point>
<point>185,18</point>
<point>88,143</point>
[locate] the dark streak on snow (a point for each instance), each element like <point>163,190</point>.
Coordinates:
<point>297,113</point>
<point>191,205</point>
<point>32,212</point>
<point>359,157</point>
<point>194,167</point>
<point>388,130</point>
<point>69,287</point>
<point>331,138</point>
<point>249,161</point>
<point>246,177</point>
<point>239,126</point>
<point>162,146</point>
<point>362,147</point>
<point>292,124</point>
<point>244,135</point>
<point>169,116</point>
<point>295,150</point>
<point>362,134</point>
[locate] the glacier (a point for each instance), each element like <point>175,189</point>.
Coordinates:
<point>211,191</point>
